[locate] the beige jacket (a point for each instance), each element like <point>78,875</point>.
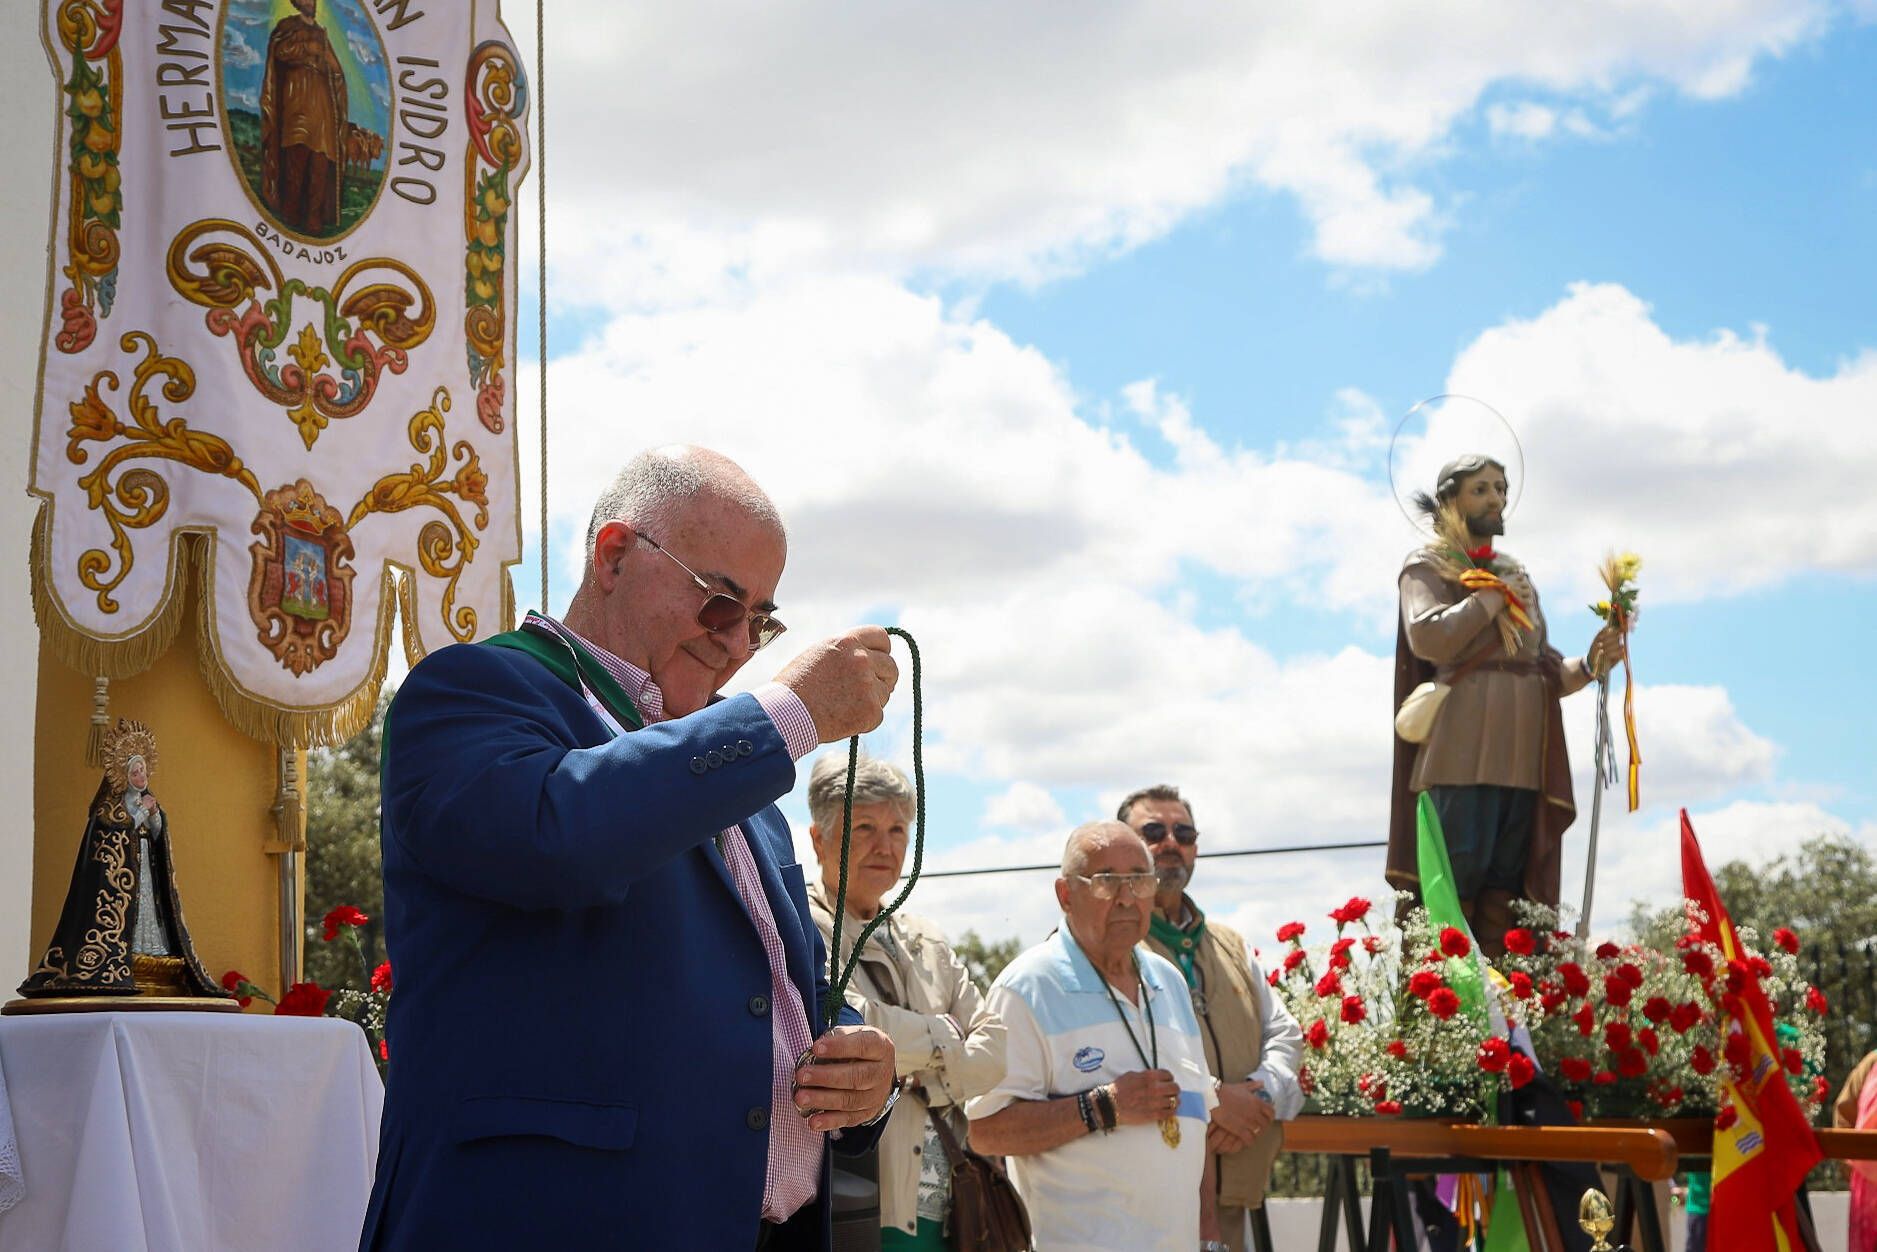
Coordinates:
<point>1247,1032</point>
<point>907,983</point>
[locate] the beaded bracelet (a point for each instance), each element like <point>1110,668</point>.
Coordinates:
<point>1087,1111</point>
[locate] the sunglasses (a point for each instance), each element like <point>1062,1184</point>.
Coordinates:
<point>1154,832</point>
<point>721,611</point>
<point>1106,886</point>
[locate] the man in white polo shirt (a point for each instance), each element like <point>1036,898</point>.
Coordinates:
<point>1106,1095</point>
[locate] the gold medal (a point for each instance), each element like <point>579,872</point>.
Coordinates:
<point>1170,1131</point>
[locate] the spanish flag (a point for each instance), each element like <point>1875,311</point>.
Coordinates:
<point>1763,1155</point>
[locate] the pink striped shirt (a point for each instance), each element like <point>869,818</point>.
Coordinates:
<point>793,1174</point>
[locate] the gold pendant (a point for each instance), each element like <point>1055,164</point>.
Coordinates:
<point>1170,1131</point>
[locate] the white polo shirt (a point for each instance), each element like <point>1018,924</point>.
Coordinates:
<point>1121,1192</point>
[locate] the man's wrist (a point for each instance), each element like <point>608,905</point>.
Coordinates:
<point>892,1098</point>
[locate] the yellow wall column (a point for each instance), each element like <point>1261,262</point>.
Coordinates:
<point>216,785</point>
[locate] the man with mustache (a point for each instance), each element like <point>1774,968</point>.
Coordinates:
<point>1253,1044</point>
<point>1494,762</point>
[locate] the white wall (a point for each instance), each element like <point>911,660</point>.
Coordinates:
<point>26,142</point>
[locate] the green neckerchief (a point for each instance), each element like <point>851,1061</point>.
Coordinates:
<point>572,664</point>
<point>1184,944</point>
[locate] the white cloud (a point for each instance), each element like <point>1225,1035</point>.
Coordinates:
<point>1003,140</point>
<point>1524,120</point>
<point>1026,807</point>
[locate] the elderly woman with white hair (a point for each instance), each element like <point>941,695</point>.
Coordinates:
<point>908,983</point>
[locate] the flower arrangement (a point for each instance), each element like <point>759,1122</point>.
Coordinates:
<point>1387,1027</point>
<point>1622,1030</point>
<point>367,1008</point>
<point>1631,1031</point>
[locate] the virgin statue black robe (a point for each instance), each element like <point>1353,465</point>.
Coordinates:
<point>91,950</point>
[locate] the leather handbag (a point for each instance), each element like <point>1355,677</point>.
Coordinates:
<point>987,1213</point>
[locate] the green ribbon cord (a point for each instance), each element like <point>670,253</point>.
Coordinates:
<point>838,975</point>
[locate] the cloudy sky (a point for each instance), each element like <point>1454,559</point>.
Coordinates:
<point>1072,338</point>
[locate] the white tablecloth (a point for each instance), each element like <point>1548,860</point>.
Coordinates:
<point>189,1132</point>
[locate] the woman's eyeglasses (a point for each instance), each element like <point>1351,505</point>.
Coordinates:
<point>722,611</point>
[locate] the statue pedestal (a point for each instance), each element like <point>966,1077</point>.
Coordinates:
<point>119,1004</point>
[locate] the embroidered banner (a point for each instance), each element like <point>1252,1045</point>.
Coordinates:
<point>277,383</point>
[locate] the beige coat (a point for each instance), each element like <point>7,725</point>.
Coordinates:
<point>1491,728</point>
<point>907,982</point>
<point>1233,1031</point>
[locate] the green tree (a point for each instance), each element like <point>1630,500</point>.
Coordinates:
<point>986,960</point>
<point>343,863</point>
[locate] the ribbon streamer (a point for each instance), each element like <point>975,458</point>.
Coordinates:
<point>1622,619</point>
<point>1485,580</point>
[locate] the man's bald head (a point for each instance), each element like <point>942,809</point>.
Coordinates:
<point>656,486</point>
<point>1088,839</point>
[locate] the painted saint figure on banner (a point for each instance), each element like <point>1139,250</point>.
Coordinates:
<point>309,98</point>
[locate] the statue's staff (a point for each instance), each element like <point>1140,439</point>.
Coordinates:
<point>1619,575</point>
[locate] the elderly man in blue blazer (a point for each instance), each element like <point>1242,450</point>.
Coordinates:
<point>608,978</point>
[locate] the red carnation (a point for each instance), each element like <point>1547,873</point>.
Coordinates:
<point>1387,1108</point>
<point>1669,1097</point>
<point>1453,943</point>
<point>344,915</point>
<point>1815,1000</point>
<point>1725,1118</point>
<point>1820,1088</point>
<point>1604,1078</point>
<point>1616,1034</point>
<point>1353,1010</point>
<point>1319,1034</point>
<point>1793,1061</point>
<point>1520,941</point>
<point>1520,1070</point>
<point>1632,1063</point>
<point>1760,966</point>
<point>1294,958</point>
<point>1656,1009</point>
<point>384,1050</point>
<point>1553,1000</point>
<point>1423,983</point>
<point>1735,1049</point>
<point>1342,946</point>
<point>381,977</point>
<point>1684,1016</point>
<point>303,999</point>
<point>1575,980</point>
<point>1339,960</point>
<point>1329,985</point>
<point>1701,1061</point>
<point>1273,976</point>
<point>1521,984</point>
<point>1607,951</point>
<point>1289,931</point>
<point>1397,1049</point>
<point>1650,1041</point>
<point>1493,1055</point>
<point>232,981</point>
<point>1616,991</point>
<point>1574,1069</point>
<point>1698,963</point>
<point>1787,940</point>
<point>1443,1003</point>
<point>1354,911</point>
<point>1586,1019</point>
<point>1372,944</point>
<point>1629,974</point>
<point>1577,1109</point>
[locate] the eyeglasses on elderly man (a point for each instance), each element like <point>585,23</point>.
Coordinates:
<point>1107,886</point>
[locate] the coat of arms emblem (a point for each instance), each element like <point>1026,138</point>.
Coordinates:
<point>300,593</point>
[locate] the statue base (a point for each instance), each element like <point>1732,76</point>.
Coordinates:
<point>119,1004</point>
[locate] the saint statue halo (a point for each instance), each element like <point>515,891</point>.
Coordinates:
<point>1452,421</point>
<point>121,942</point>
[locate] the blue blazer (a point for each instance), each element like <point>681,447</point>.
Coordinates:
<point>580,1033</point>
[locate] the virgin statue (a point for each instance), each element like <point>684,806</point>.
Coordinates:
<point>121,931</point>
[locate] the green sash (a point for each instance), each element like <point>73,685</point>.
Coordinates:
<point>576,667</point>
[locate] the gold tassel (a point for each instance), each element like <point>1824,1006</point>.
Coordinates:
<point>100,722</point>
<point>289,809</point>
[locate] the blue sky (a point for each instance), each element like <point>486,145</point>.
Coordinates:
<point>1076,348</point>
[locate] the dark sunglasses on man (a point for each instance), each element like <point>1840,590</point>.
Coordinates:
<point>721,611</point>
<point>1154,832</point>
